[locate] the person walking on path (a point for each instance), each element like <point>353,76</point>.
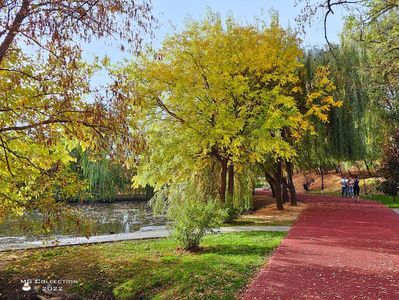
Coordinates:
<point>350,187</point>
<point>356,187</point>
<point>344,183</point>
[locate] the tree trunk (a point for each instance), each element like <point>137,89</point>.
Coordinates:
<point>230,187</point>
<point>291,186</point>
<point>223,173</point>
<point>279,200</point>
<point>273,190</point>
<point>272,183</point>
<point>322,179</point>
<point>285,190</point>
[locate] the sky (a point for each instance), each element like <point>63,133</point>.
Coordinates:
<point>172,14</point>
<point>175,12</point>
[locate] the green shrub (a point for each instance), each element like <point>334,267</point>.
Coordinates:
<point>232,212</point>
<point>387,188</point>
<point>192,218</point>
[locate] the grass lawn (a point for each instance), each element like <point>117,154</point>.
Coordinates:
<point>257,221</point>
<point>151,269</point>
<point>384,199</point>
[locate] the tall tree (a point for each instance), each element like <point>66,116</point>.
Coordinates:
<point>378,34</point>
<point>352,133</point>
<point>66,24</point>
<point>222,92</point>
<point>47,105</point>
<point>372,26</point>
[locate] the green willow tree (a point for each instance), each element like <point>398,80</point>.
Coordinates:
<point>353,131</point>
<point>366,72</point>
<point>106,178</point>
<point>378,34</point>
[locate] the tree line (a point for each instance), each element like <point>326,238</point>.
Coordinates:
<point>219,104</point>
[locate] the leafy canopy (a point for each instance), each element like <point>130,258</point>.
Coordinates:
<point>225,92</point>
<point>47,106</point>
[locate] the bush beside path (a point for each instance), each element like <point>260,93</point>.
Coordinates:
<point>338,249</point>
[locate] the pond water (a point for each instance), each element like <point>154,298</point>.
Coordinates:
<point>107,218</point>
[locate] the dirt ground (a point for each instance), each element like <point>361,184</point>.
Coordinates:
<point>332,182</point>
<point>266,213</point>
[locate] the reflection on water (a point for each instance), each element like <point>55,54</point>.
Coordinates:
<point>108,218</point>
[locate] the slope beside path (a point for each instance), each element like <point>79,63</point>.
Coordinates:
<point>338,249</point>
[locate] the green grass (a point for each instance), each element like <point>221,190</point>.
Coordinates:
<point>151,269</point>
<point>258,222</point>
<point>384,199</point>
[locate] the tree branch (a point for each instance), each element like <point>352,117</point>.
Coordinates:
<point>19,18</point>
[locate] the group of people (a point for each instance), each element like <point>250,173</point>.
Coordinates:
<point>350,187</point>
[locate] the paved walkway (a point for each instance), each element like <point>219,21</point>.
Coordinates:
<point>159,232</point>
<point>337,249</point>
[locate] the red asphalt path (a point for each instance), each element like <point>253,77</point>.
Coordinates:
<point>337,249</point>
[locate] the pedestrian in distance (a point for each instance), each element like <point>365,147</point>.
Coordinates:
<point>356,187</point>
<point>350,184</point>
<point>344,183</point>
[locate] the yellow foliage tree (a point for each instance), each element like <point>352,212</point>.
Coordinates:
<point>44,108</point>
<point>223,92</point>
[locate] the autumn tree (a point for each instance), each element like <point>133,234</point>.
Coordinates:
<point>47,105</point>
<point>221,95</point>
<point>66,24</point>
<point>314,101</point>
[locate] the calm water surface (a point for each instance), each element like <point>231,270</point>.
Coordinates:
<point>107,218</point>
